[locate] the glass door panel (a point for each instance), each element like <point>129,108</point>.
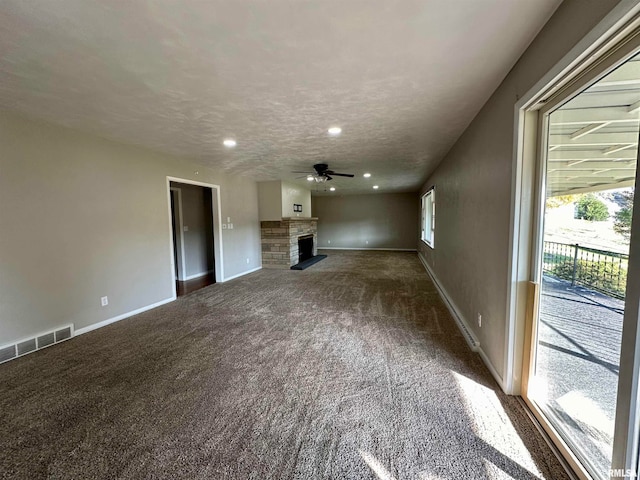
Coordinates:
<point>592,147</point>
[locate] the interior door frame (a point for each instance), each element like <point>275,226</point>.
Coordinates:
<point>216,210</point>
<point>179,232</point>
<point>587,60</point>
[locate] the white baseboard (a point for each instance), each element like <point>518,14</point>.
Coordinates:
<point>498,378</point>
<point>379,249</point>
<point>241,274</point>
<point>463,325</point>
<point>196,275</point>
<point>104,323</point>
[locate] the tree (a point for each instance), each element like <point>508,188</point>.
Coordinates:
<point>560,200</point>
<point>591,208</point>
<point>622,218</point>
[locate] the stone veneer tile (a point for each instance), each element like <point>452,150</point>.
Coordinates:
<point>280,240</point>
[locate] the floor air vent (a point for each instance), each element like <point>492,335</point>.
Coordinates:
<point>9,352</point>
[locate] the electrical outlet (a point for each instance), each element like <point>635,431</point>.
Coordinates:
<point>228,219</point>
<point>329,242</point>
<point>104,301</point>
<point>247,260</point>
<point>479,320</point>
<point>231,226</point>
<point>366,242</point>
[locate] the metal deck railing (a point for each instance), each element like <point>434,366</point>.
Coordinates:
<point>599,270</point>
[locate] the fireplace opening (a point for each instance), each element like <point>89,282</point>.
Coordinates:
<point>305,247</point>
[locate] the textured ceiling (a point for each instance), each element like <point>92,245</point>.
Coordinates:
<point>402,78</point>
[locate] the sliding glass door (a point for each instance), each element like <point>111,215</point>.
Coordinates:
<point>588,174</point>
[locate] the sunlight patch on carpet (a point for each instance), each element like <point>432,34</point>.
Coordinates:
<point>492,425</point>
<point>374,464</point>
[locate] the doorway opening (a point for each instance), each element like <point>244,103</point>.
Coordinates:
<point>193,219</point>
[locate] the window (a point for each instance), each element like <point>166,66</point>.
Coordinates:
<point>428,217</point>
<point>558,393</point>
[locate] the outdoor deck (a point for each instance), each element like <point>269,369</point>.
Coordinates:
<point>579,352</point>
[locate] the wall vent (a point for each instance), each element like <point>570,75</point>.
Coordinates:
<point>63,334</point>
<point>471,340</point>
<point>26,346</point>
<point>46,340</point>
<point>9,352</point>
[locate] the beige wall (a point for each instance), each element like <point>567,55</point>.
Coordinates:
<point>473,186</point>
<point>83,217</point>
<point>367,221</point>
<point>270,200</point>
<point>295,194</point>
<point>276,199</point>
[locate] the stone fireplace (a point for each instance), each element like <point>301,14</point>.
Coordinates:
<point>280,241</point>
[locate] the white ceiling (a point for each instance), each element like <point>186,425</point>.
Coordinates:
<point>402,78</point>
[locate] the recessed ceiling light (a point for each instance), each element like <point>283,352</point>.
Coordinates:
<point>335,131</point>
<point>229,142</point>
<point>310,178</point>
<point>375,187</point>
<point>366,175</point>
<point>333,189</point>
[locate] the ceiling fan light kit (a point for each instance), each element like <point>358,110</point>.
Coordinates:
<point>323,174</point>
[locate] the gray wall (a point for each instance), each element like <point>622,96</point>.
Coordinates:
<point>270,200</point>
<point>473,185</point>
<point>383,220</point>
<point>83,217</point>
<point>276,199</point>
<point>198,218</point>
<point>295,194</point>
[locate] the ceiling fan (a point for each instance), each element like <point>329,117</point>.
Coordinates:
<point>323,173</point>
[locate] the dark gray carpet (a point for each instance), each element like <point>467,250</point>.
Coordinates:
<point>352,368</point>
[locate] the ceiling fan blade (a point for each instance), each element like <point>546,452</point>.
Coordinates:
<point>350,175</point>
<point>328,177</point>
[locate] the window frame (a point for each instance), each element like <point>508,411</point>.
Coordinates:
<point>604,46</point>
<point>428,217</point>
